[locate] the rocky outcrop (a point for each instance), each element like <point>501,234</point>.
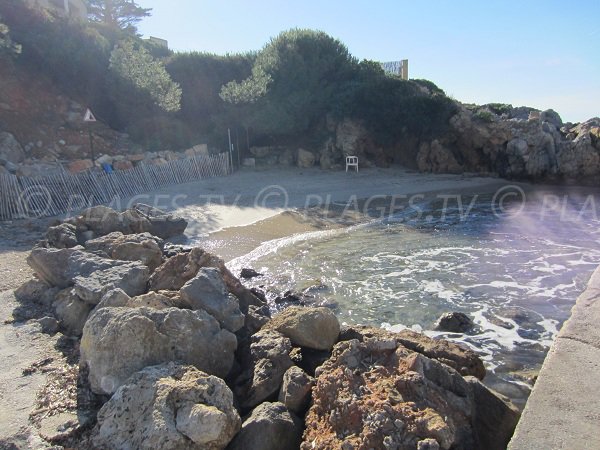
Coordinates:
<point>117,342</point>
<point>380,394</point>
<point>168,407</point>
<point>270,427</point>
<point>461,359</point>
<point>315,328</point>
<point>534,146</point>
<point>207,291</point>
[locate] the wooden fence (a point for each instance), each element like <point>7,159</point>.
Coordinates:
<point>46,196</point>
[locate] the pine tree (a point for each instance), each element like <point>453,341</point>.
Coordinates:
<point>123,14</point>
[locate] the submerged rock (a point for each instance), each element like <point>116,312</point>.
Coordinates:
<point>118,342</point>
<point>170,406</point>
<point>454,322</point>
<point>315,328</point>
<point>270,427</point>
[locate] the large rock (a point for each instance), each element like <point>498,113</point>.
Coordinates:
<point>32,291</point>
<point>179,269</point>
<point>315,328</point>
<point>71,311</point>
<point>91,275</point>
<point>454,322</point>
<point>62,236</point>
<point>171,407</point>
<point>132,278</point>
<point>207,291</point>
<point>295,390</point>
<point>305,158</point>
<point>270,427</point>
<point>495,417</point>
<point>262,376</point>
<point>141,247</point>
<point>10,149</point>
<point>460,358</point>
<point>399,399</point>
<point>118,342</point>
<point>139,219</point>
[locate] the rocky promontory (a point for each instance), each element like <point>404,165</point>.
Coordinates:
<point>174,352</point>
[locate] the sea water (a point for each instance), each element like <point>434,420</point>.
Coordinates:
<point>516,271</point>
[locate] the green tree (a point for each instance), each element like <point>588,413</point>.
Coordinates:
<point>294,80</point>
<point>6,43</point>
<point>123,14</point>
<point>134,65</point>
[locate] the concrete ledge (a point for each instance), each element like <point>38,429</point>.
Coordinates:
<point>563,411</point>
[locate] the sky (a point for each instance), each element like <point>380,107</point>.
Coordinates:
<point>544,54</point>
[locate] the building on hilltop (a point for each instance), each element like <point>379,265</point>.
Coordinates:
<point>163,43</point>
<point>76,9</point>
<point>397,68</point>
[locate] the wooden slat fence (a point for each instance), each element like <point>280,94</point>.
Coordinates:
<point>27,197</point>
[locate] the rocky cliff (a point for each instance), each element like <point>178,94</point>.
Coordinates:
<point>535,145</point>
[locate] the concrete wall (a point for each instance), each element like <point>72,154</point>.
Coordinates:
<point>563,411</point>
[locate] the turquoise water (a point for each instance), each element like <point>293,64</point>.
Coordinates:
<point>516,272</point>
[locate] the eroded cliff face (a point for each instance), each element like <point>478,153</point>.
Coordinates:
<point>538,147</point>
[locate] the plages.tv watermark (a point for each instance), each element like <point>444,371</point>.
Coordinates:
<point>507,201</point>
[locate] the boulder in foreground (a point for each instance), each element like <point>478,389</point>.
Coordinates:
<point>379,394</point>
<point>171,407</point>
<point>270,427</point>
<point>315,328</point>
<point>117,342</point>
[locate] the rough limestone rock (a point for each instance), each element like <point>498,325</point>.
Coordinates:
<point>454,322</point>
<point>315,328</point>
<point>399,398</point>
<point>262,376</point>
<point>305,158</point>
<point>51,265</point>
<point>131,277</point>
<point>118,342</point>
<point>270,427</point>
<point>295,390</point>
<point>141,247</point>
<point>91,275</point>
<point>117,298</point>
<point>515,145</point>
<point>139,219</point>
<point>62,236</point>
<point>495,417</point>
<point>10,149</point>
<point>207,291</point>
<point>71,311</point>
<point>462,359</point>
<point>179,269</point>
<point>32,291</point>
<point>171,407</point>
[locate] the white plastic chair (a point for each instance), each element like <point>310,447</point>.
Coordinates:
<point>351,161</point>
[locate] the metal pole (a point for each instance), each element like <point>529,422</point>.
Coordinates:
<point>92,146</point>
<point>230,148</point>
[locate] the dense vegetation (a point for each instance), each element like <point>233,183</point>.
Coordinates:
<point>284,93</point>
